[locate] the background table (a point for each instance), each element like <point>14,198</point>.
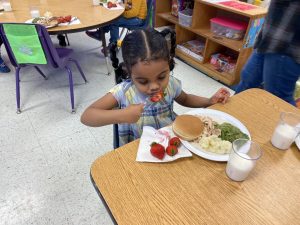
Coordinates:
<point>197,191</point>
<point>90,16</point>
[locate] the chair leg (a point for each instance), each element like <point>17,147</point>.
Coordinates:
<point>71,88</point>
<point>41,73</point>
<point>18,89</point>
<point>102,34</point>
<point>79,68</point>
<point>67,39</point>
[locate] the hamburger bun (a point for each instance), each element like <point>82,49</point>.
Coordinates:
<point>188,127</point>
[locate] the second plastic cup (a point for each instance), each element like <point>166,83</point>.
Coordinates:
<point>286,130</point>
<point>242,159</point>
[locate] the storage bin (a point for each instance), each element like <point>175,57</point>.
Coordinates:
<point>229,28</point>
<point>223,63</point>
<point>185,17</point>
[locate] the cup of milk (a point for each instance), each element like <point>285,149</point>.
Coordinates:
<point>286,130</point>
<point>6,5</point>
<point>34,11</point>
<point>242,159</point>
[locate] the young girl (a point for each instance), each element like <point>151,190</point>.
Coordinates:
<point>148,62</point>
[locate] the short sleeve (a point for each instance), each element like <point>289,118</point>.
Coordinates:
<point>118,92</point>
<point>175,87</point>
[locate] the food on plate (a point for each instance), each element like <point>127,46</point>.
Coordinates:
<point>48,14</point>
<point>47,22</point>
<point>64,19</point>
<point>213,144</point>
<point>111,4</point>
<point>171,150</point>
<point>175,141</point>
<point>157,97</point>
<point>230,132</point>
<point>157,150</point>
<point>217,138</point>
<point>188,127</point>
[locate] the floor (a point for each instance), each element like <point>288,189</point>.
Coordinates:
<point>46,153</point>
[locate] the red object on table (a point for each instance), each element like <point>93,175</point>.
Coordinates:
<point>238,5</point>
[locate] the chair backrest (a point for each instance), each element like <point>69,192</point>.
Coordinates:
<point>28,44</point>
<point>149,13</point>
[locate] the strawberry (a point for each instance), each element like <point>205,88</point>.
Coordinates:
<point>114,5</point>
<point>68,18</point>
<point>175,141</point>
<point>171,150</point>
<point>157,150</point>
<point>109,5</point>
<point>157,97</point>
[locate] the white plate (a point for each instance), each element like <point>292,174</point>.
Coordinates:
<point>218,116</point>
<point>297,141</point>
<point>30,21</point>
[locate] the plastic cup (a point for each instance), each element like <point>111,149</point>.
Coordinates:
<point>6,6</point>
<point>286,130</point>
<point>242,159</point>
<point>34,11</point>
<point>96,2</point>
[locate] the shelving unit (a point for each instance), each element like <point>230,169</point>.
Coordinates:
<point>200,29</point>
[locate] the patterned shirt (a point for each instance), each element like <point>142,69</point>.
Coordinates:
<point>156,114</point>
<point>281,30</point>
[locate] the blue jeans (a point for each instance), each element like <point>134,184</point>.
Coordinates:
<point>122,22</point>
<point>278,74</point>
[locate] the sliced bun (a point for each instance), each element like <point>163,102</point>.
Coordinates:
<point>188,127</point>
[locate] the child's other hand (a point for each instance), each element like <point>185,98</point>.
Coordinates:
<point>134,112</point>
<point>222,95</point>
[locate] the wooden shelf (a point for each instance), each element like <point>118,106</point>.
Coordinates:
<point>200,29</point>
<point>179,51</point>
<point>253,13</point>
<point>205,67</point>
<point>169,17</point>
<point>229,43</point>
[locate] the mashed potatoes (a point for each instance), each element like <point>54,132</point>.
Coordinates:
<point>213,144</point>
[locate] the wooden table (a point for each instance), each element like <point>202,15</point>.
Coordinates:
<point>197,191</point>
<point>90,16</point>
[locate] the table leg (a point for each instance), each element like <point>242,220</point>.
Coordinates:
<point>102,33</point>
<point>103,200</point>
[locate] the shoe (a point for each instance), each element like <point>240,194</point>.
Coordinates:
<point>3,68</point>
<point>62,40</point>
<point>94,34</point>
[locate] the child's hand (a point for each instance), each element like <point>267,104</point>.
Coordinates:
<point>134,112</point>
<point>222,95</point>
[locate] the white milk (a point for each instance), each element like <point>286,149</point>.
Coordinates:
<point>238,168</point>
<point>35,13</point>
<point>283,136</point>
<point>6,6</point>
<point>96,2</point>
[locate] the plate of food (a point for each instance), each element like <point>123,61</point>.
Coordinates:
<point>209,133</point>
<point>45,21</point>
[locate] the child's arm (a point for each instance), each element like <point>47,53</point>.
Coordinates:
<point>193,101</point>
<point>103,112</point>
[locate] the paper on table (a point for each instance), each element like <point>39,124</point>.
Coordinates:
<point>74,21</point>
<point>113,8</point>
<point>152,135</point>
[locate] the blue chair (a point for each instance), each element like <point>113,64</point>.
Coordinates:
<point>145,25</point>
<point>30,45</point>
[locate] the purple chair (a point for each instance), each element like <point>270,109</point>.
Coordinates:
<point>56,57</point>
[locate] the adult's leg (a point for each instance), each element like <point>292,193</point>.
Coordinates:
<point>281,73</point>
<point>123,22</point>
<point>252,73</point>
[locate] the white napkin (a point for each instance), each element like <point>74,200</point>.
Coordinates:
<point>74,21</point>
<point>113,8</point>
<point>159,136</point>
